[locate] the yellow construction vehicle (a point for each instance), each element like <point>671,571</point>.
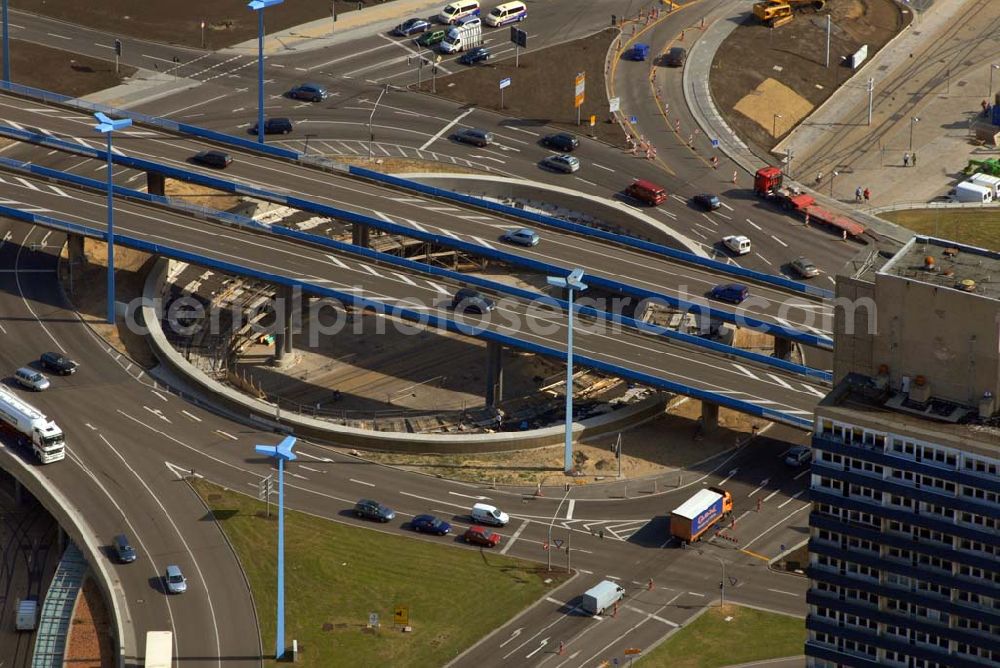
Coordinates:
<point>776,13</point>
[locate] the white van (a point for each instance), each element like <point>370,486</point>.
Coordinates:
<point>987,181</point>
<point>508,12</point>
<point>453,11</point>
<point>31,379</point>
<point>966,191</point>
<point>487,514</point>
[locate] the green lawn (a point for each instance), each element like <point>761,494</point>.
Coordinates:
<point>336,574</point>
<point>711,642</point>
<point>975,227</point>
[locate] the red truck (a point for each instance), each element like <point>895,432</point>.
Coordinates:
<point>768,182</point>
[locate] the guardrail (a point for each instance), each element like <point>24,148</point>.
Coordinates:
<point>550,221</point>
<point>437,239</point>
<point>412,315</point>
<point>412,265</point>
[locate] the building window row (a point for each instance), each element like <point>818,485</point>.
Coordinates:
<point>974,573</point>
<point>845,515</point>
<point>846,593</point>
<point>972,651</point>
<point>980,494</point>
<point>915,610</point>
<point>975,519</point>
<point>978,600</point>
<point>981,465</point>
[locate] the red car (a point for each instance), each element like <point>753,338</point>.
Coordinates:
<point>482,536</point>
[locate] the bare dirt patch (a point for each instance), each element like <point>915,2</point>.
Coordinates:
<point>553,70</point>
<point>670,442</point>
<point>61,71</point>
<point>179,22</point>
<point>404,166</point>
<point>89,643</point>
<point>192,193</point>
<point>759,72</point>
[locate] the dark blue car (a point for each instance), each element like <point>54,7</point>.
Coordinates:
<point>411,27</point>
<point>479,54</point>
<point>373,510</point>
<point>430,524</point>
<point>734,293</point>
<point>310,92</point>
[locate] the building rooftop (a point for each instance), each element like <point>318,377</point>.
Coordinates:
<point>865,401</point>
<point>947,264</point>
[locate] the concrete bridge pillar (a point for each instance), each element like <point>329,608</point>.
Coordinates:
<point>288,312</point>
<point>18,493</point>
<point>360,235</point>
<point>782,348</point>
<point>494,374</point>
<point>156,184</point>
<point>709,417</point>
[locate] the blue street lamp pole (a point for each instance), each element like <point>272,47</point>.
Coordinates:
<point>6,44</point>
<point>570,283</point>
<point>282,452</point>
<point>107,126</point>
<point>258,6</point>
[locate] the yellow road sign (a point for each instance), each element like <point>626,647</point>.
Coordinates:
<point>401,615</point>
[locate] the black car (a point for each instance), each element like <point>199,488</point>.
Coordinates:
<point>57,363</point>
<point>675,57</point>
<point>469,299</point>
<point>561,141</point>
<point>708,201</point>
<point>477,55</point>
<point>274,126</point>
<point>211,158</point>
<point>373,510</point>
<point>124,551</point>
<point>430,524</point>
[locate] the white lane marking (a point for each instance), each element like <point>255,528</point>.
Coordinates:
<point>527,132</point>
<point>424,498</point>
<point>726,205</point>
<point>786,593</point>
<point>650,615</point>
<point>809,388</point>
<point>513,539</point>
<point>159,395</point>
<point>633,628</point>
<point>158,413</point>
<point>789,500</point>
<point>779,241</point>
<point>440,288</point>
<point>334,259</point>
<point>52,34</point>
<point>762,483</point>
<point>361,482</point>
<point>404,278</point>
<point>746,546</point>
<point>370,270</point>
<point>483,242</point>
<point>763,258</point>
<point>226,434</point>
<point>770,496</point>
<point>569,509</point>
<point>541,646</point>
<point>612,577</point>
<point>469,496</point>
<point>780,381</point>
<point>799,475</point>
<point>694,593</point>
<point>415,224</point>
<point>313,457</point>
<point>584,571</point>
<point>447,127</point>
<point>309,468</point>
<point>746,371</point>
<point>602,167</point>
<point>756,226</point>
<point>193,417</point>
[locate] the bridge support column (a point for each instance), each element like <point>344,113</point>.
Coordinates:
<point>360,235</point>
<point>18,493</point>
<point>709,417</point>
<point>288,312</point>
<point>77,258</point>
<point>494,374</point>
<point>782,348</point>
<point>156,184</point>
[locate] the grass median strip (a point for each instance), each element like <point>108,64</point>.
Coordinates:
<point>729,636</point>
<point>335,575</point>
<point>976,227</point>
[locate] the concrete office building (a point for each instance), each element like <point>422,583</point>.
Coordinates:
<point>904,543</point>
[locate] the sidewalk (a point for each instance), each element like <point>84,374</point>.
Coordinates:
<point>324,32</point>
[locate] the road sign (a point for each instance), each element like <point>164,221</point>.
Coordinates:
<point>118,47</point>
<point>519,37</point>
<point>632,650</point>
<point>614,104</point>
<point>558,542</point>
<point>715,143</point>
<point>579,87</point>
<point>373,619</point>
<point>504,83</point>
<point>593,120</point>
<point>633,119</point>
<point>401,615</point>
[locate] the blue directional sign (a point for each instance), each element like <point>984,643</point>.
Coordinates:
<point>632,119</point>
<point>715,143</point>
<point>504,83</point>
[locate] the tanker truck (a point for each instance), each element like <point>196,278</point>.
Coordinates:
<point>29,425</point>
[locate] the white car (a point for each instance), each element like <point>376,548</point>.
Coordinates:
<point>737,243</point>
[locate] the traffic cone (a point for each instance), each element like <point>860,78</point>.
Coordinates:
<point>650,586</point>
<point>562,648</point>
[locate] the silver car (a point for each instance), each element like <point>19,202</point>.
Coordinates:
<point>175,580</point>
<point>562,163</point>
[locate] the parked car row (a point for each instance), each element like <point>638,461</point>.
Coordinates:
<point>32,379</point>
<point>477,534</point>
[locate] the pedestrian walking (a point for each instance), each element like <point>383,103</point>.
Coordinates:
<point>715,162</point>
<point>906,159</point>
<point>868,195</point>
<point>913,159</point>
<point>985,105</point>
<point>819,176</point>
<point>857,194</point>
<point>735,174</point>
